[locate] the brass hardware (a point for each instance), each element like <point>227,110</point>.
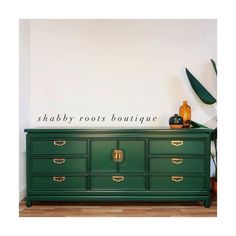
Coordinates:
<point>177,143</point>
<point>118,178</point>
<point>59,179</point>
<point>177,178</point>
<point>59,161</point>
<point>177,161</point>
<point>59,143</point>
<point>117,155</point>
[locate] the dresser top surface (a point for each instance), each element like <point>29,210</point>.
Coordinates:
<point>196,128</point>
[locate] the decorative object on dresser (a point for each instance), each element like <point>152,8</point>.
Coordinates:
<point>176,122</point>
<point>118,164</point>
<point>185,113</point>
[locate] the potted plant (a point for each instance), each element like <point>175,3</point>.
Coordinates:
<point>214,158</point>
<point>207,98</point>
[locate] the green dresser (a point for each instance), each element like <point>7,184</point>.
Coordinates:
<point>118,164</point>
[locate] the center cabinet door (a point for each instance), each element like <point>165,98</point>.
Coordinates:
<point>101,155</point>
<point>133,156</point>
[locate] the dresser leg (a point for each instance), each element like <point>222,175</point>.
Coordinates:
<point>28,202</point>
<point>207,203</point>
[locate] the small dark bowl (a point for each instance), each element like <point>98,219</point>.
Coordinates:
<point>176,122</point>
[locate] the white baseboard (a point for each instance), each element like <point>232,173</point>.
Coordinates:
<point>22,193</point>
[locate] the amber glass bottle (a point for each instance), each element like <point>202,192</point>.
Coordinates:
<point>185,113</point>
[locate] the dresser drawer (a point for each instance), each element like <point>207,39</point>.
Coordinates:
<point>177,183</point>
<point>118,182</point>
<point>58,183</point>
<point>59,146</point>
<point>176,164</point>
<point>176,146</point>
<point>59,164</point>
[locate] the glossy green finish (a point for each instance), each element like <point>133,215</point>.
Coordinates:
<point>165,146</point>
<point>48,147</point>
<point>89,166</point>
<point>47,183</point>
<point>101,155</point>
<point>50,165</point>
<point>106,183</point>
<point>134,156</point>
<point>131,197</point>
<point>189,183</point>
<point>167,164</point>
<point>133,159</point>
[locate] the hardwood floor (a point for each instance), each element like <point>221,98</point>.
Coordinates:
<point>118,209</point>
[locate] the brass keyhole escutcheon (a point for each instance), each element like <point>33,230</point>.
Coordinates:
<point>117,155</point>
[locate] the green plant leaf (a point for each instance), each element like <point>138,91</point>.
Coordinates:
<point>200,90</point>
<point>214,65</point>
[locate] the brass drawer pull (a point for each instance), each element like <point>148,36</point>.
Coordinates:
<point>177,143</point>
<point>59,143</point>
<point>117,155</point>
<point>177,161</point>
<point>177,178</point>
<point>59,161</point>
<point>59,179</point>
<point>118,178</point>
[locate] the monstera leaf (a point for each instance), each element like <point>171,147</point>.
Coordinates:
<point>199,89</point>
<point>214,65</point>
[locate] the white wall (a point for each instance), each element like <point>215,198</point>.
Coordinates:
<point>100,67</point>
<point>24,100</point>
<point>126,67</point>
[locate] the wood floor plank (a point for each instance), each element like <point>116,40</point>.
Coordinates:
<point>118,209</point>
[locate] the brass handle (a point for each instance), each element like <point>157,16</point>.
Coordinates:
<point>177,143</point>
<point>118,178</point>
<point>177,161</point>
<point>117,155</point>
<point>59,179</point>
<point>59,161</point>
<point>59,143</point>
<point>177,178</point>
